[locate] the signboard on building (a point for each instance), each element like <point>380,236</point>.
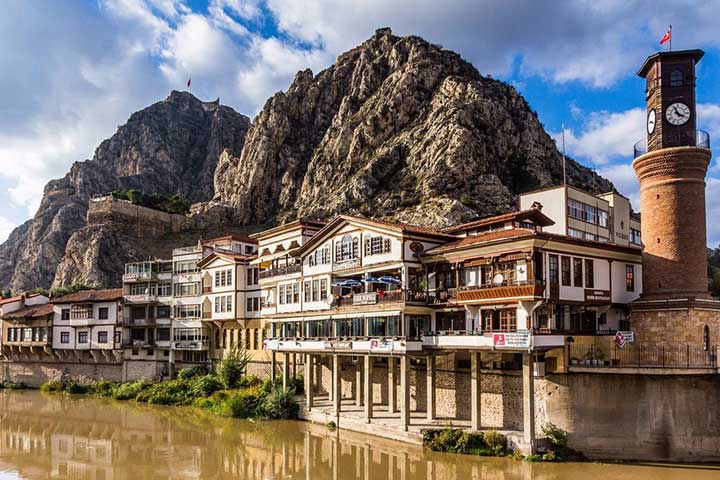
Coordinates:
<point>593,295</point>
<point>381,345</point>
<point>623,338</point>
<point>337,345</point>
<point>186,345</point>
<point>365,298</point>
<point>511,340</point>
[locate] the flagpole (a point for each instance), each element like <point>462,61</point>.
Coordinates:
<point>563,152</point>
<point>670,45</point>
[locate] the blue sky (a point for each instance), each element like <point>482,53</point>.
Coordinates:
<point>73,71</point>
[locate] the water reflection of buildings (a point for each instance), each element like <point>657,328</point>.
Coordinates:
<point>73,438</point>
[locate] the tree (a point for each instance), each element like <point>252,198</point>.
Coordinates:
<point>231,368</point>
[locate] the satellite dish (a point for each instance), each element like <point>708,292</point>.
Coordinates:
<point>498,279</point>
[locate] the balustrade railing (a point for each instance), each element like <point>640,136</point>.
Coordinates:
<point>643,355</point>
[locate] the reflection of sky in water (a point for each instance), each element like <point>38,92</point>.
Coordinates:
<point>9,475</point>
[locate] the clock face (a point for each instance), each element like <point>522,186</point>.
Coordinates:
<point>651,122</point>
<point>677,113</point>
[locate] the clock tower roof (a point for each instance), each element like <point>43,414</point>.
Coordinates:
<point>696,54</point>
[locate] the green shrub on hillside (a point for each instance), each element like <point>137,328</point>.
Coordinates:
<point>156,201</point>
<point>130,390</point>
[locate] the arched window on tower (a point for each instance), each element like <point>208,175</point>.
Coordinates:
<point>706,338</point>
<point>676,78</point>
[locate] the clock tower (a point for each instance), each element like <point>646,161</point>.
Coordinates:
<point>670,96</point>
<point>671,165</point>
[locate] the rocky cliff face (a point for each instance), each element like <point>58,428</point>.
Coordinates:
<point>171,147</point>
<point>397,128</point>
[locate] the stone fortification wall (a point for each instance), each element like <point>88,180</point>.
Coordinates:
<point>144,222</point>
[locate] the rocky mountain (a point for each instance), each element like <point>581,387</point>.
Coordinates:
<point>171,147</point>
<point>397,128</point>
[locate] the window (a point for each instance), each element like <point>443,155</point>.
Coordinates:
<point>118,334</point>
<point>577,272</point>
<point>164,289</point>
<point>676,78</point>
<point>553,268</point>
<point>281,294</point>
<point>248,249</point>
<point>602,218</point>
<point>589,214</point>
<point>163,311</point>
<point>223,278</point>
<point>566,271</point>
<point>307,291</point>
<point>187,311</point>
<point>187,289</point>
<point>82,337</point>
<point>187,266</point>
<point>102,337</point>
<point>630,278</point>
<point>635,236</point>
<point>321,256</point>
<point>377,245</point>
<point>252,275</point>
<point>589,274</point>
<point>508,320</point>
<point>223,304</point>
<point>163,334</point>
<point>575,233</point>
<point>65,314</point>
<point>103,313</point>
<point>346,249</point>
<point>323,288</point>
<point>253,304</point>
<point>289,293</point>
<point>575,209</point>
<point>315,290</point>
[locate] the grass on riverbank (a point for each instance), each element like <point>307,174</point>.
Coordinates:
<point>250,397</point>
<point>493,443</point>
<point>14,386</point>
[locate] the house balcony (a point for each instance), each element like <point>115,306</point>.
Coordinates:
<point>360,345</point>
<point>469,339</point>
<point>28,343</point>
<point>127,343</point>
<point>197,344</point>
<point>141,298</point>
<point>701,139</point>
<point>139,322</point>
<point>140,277</point>
<point>480,294</point>
<point>280,271</point>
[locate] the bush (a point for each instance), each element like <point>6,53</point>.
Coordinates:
<point>157,201</point>
<point>281,404</point>
<point>188,373</point>
<point>495,441</point>
<point>172,392</point>
<point>53,386</point>
<point>445,440</point>
<point>556,436</point>
<point>103,388</point>
<point>471,443</point>
<point>231,367</point>
<point>130,391</point>
<point>246,403</point>
<point>204,386</point>
<point>76,388</point>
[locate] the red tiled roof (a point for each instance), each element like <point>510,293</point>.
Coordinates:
<point>108,295</point>
<point>33,311</point>
<point>11,299</point>
<point>484,238</point>
<point>531,213</point>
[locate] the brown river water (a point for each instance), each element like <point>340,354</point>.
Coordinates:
<point>46,436</point>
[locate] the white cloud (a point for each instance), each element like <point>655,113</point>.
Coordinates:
<point>6,226</point>
<point>712,201</point>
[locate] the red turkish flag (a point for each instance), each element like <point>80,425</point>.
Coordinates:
<point>667,36</point>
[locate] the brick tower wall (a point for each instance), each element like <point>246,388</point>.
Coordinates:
<point>672,197</point>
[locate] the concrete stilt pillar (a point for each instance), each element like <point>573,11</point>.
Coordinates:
<point>336,385</point>
<point>330,389</point>
<point>368,387</point>
<point>404,392</point>
<point>359,382</point>
<point>294,365</point>
<point>431,388</point>
<point>392,390</point>
<point>529,402</point>
<point>273,365</point>
<point>310,400</point>
<point>286,371</point>
<point>475,391</point>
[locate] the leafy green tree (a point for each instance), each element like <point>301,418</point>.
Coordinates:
<point>76,287</point>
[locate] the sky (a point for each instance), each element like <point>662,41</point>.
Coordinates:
<point>72,71</point>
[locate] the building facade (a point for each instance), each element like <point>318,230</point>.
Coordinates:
<point>26,324</point>
<point>88,324</point>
